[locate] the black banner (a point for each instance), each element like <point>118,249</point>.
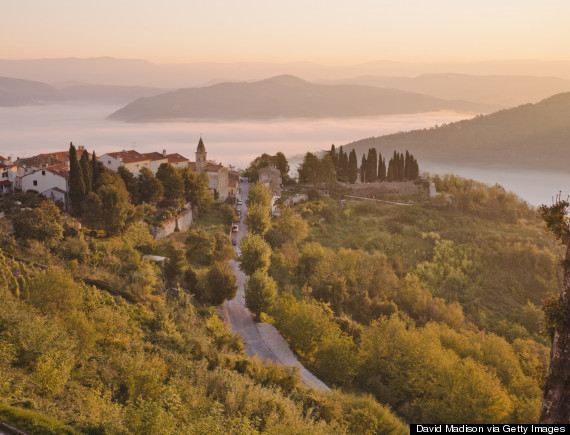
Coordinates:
<point>521,429</point>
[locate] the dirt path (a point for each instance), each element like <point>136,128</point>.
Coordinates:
<point>261,338</point>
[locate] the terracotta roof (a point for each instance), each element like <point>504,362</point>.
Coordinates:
<point>233,175</point>
<point>3,158</point>
<point>61,170</point>
<point>214,168</point>
<point>154,156</point>
<point>8,166</point>
<point>176,158</point>
<point>130,156</point>
<point>5,183</point>
<point>232,183</point>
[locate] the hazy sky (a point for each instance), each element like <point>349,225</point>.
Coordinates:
<point>325,31</point>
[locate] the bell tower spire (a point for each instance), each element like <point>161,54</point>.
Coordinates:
<point>201,156</point>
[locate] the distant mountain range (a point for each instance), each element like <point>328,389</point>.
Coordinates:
<point>502,90</point>
<point>137,72</point>
<point>18,92</point>
<point>285,96</point>
<point>531,136</point>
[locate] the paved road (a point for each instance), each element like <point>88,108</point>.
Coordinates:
<point>261,338</point>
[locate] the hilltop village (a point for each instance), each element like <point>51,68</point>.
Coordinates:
<point>48,174</point>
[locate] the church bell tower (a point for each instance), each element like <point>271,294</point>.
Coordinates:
<point>201,157</point>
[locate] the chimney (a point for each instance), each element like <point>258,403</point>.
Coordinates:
<point>163,153</point>
<point>81,148</point>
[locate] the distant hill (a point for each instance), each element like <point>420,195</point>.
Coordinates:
<point>531,136</point>
<point>502,90</point>
<point>17,92</point>
<point>284,96</point>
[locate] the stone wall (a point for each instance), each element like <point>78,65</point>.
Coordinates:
<point>402,188</point>
<point>182,221</point>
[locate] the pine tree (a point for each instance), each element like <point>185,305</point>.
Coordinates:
<point>352,167</point>
<point>76,183</point>
<point>363,169</point>
<point>86,171</point>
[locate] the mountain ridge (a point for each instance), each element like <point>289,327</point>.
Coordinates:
<point>284,96</point>
<point>529,136</point>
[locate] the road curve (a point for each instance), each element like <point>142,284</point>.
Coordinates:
<point>260,338</point>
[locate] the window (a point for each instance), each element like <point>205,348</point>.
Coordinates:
<point>35,182</point>
<point>43,172</point>
<point>4,174</point>
<point>108,162</point>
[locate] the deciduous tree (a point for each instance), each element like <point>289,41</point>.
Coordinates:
<point>260,293</point>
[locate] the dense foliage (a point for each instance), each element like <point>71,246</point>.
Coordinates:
<point>95,339</point>
<point>433,308</point>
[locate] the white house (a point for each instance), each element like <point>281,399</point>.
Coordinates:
<point>156,159</point>
<point>51,182</point>
<point>131,160</point>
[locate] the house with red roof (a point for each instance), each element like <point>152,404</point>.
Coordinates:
<point>130,159</point>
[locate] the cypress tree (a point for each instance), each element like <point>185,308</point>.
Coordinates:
<point>407,167</point>
<point>94,168</point>
<point>86,171</point>
<point>395,166</point>
<point>401,168</point>
<point>382,168</point>
<point>369,163</point>
<point>352,167</point>
<point>76,183</point>
<point>334,157</point>
<point>363,169</point>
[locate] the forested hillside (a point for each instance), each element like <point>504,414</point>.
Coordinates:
<point>433,308</point>
<point>531,136</point>
<point>96,339</point>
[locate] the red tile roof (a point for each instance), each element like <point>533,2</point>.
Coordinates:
<point>5,183</point>
<point>154,156</point>
<point>232,183</point>
<point>176,158</point>
<point>130,156</point>
<point>214,168</point>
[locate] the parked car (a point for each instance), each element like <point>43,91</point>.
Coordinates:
<point>235,228</point>
<point>239,202</point>
<point>234,242</point>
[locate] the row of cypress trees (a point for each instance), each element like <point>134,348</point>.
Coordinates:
<point>83,173</point>
<point>373,167</point>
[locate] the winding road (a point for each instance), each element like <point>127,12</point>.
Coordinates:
<point>261,338</point>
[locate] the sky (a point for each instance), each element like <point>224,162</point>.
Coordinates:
<point>334,32</point>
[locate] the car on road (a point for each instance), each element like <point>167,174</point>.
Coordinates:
<point>234,242</point>
<point>239,202</point>
<point>235,228</point>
